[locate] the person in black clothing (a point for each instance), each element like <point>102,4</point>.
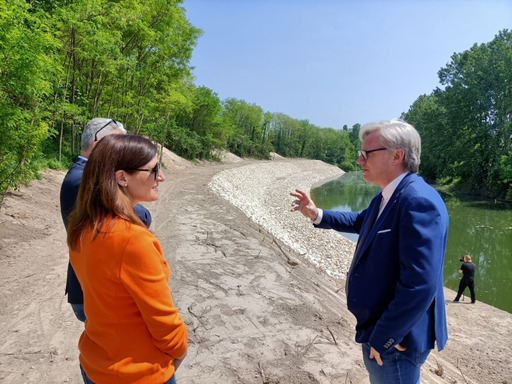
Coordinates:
<point>468,279</point>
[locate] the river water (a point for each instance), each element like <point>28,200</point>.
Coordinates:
<point>481,229</point>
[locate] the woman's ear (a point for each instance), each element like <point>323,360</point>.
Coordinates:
<point>121,178</point>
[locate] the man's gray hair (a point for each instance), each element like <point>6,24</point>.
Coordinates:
<point>103,127</point>
<point>397,134</point>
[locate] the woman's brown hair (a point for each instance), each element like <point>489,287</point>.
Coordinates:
<point>100,195</point>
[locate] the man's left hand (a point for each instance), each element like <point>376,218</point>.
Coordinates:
<point>376,355</point>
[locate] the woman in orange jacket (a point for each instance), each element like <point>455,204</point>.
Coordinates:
<point>133,332</point>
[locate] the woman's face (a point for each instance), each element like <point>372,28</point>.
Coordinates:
<point>142,185</point>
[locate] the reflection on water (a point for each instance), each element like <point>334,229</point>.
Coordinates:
<point>480,229</point>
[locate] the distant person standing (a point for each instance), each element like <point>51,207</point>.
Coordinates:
<point>95,130</point>
<point>468,278</point>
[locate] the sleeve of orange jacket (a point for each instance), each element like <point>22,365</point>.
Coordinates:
<point>145,273</point>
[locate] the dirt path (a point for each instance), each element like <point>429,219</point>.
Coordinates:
<point>255,312</point>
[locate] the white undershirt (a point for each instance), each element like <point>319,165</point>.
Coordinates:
<point>388,191</point>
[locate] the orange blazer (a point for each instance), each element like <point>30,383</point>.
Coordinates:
<point>133,332</point>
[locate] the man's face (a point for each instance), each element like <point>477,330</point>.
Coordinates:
<point>378,165</point>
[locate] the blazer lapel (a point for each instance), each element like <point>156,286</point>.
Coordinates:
<point>372,212</point>
<point>367,236</point>
<point>394,197</point>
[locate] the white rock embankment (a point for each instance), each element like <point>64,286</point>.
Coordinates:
<point>262,191</point>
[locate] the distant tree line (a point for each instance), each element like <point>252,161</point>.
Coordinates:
<point>64,62</point>
<point>466,127</point>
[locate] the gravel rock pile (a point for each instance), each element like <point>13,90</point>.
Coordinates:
<point>262,191</point>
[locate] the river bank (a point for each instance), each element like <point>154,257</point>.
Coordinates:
<point>248,282</point>
<point>266,200</point>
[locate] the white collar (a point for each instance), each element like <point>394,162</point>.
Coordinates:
<point>390,188</point>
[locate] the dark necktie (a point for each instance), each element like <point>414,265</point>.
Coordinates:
<point>364,234</point>
<point>371,220</point>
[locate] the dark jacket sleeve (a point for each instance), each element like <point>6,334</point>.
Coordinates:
<point>342,221</point>
<point>69,189</point>
<point>68,194</point>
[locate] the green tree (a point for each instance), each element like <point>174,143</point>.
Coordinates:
<point>429,118</point>
<point>27,66</point>
<point>203,122</point>
<point>247,126</point>
<point>122,59</point>
<point>286,137</point>
<point>478,104</point>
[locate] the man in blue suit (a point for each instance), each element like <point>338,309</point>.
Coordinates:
<point>394,285</point>
<point>95,129</point>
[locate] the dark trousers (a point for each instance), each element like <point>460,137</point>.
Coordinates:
<point>462,286</point>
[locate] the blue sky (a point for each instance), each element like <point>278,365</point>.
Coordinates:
<point>335,62</point>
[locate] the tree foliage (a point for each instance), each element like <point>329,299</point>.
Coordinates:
<point>466,127</point>
<point>27,67</point>
<point>64,62</point>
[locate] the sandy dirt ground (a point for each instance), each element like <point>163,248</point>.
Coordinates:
<point>256,312</point>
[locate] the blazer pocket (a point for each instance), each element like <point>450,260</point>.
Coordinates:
<point>384,231</point>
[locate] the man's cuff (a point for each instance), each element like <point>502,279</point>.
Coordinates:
<point>318,219</point>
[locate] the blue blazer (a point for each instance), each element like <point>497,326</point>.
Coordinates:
<point>395,286</point>
<point>68,195</point>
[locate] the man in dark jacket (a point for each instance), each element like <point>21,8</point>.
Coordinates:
<point>468,278</point>
<point>394,285</point>
<point>95,129</point>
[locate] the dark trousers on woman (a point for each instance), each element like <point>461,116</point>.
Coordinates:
<point>462,286</point>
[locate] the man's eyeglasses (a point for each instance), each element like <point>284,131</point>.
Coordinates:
<point>106,125</point>
<point>365,153</point>
<point>153,170</point>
